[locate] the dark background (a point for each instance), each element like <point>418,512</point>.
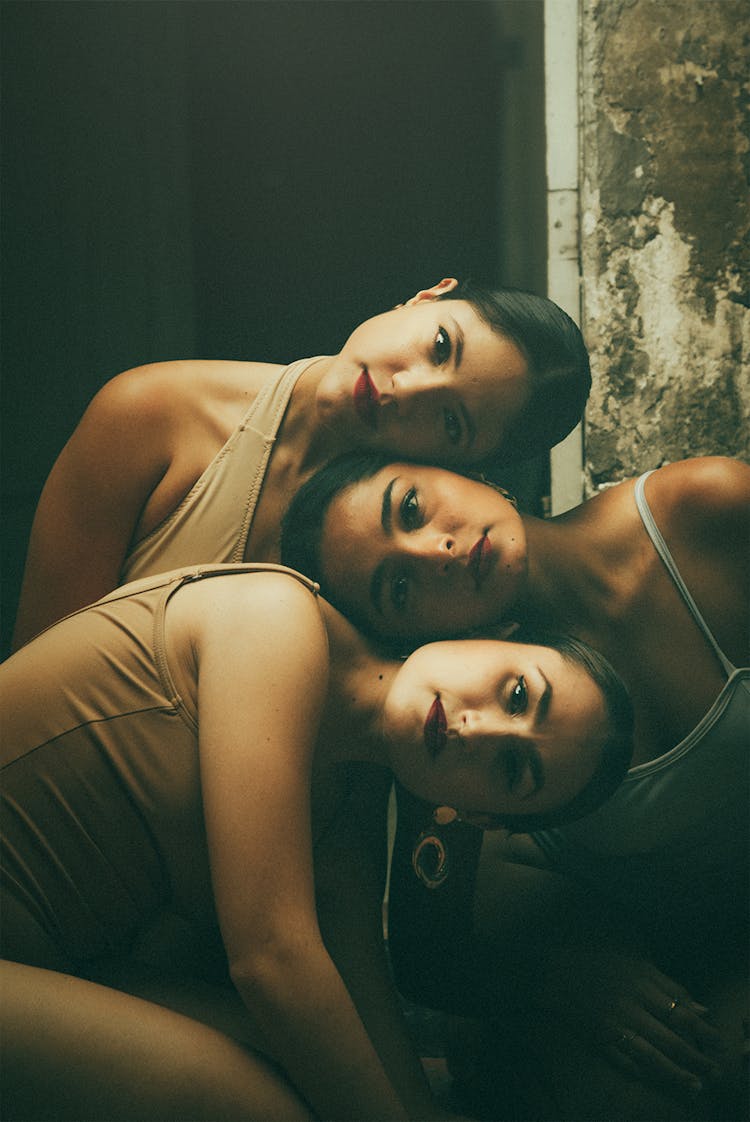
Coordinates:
<point>245,180</point>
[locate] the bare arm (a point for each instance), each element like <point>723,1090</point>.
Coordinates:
<point>702,507</point>
<point>350,880</point>
<point>93,498</point>
<point>256,742</point>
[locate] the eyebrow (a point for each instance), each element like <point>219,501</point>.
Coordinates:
<point>542,705</point>
<point>536,766</point>
<point>386,521</point>
<point>459,343</point>
<point>386,517</point>
<point>471,428</point>
<point>542,708</point>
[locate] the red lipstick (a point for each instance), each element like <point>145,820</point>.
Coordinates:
<point>480,559</point>
<point>435,728</point>
<point>366,398</point>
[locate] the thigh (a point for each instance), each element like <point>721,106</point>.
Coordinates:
<point>73,1049</point>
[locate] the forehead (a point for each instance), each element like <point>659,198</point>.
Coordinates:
<point>365,509</point>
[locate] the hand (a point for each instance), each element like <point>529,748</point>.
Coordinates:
<point>644,1022</point>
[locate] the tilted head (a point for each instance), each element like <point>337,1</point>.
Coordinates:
<point>519,735</point>
<point>409,552</point>
<point>460,375</point>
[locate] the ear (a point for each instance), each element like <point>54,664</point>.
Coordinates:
<point>447,284</point>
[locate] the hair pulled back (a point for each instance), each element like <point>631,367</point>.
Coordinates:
<point>559,369</point>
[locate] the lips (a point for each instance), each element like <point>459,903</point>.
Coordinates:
<point>366,398</point>
<point>480,559</point>
<point>435,728</point>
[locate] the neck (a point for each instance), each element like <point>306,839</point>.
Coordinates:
<point>304,425</point>
<point>543,592</point>
<point>358,685</point>
<point>564,572</point>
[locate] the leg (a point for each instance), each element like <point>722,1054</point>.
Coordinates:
<point>73,1049</point>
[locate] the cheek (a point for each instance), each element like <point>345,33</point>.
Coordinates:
<point>340,547</point>
<point>330,558</point>
<point>580,766</point>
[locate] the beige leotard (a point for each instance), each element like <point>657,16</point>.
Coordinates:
<point>212,523</point>
<point>102,822</point>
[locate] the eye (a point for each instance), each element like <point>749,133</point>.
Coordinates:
<point>452,426</point>
<point>519,698</point>
<point>410,510</point>
<point>443,346</point>
<point>399,593</point>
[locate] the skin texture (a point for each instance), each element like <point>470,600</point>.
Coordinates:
<point>293,815</point>
<point>428,364</point>
<point>593,572</point>
<point>396,553</point>
<point>501,715</point>
<point>149,433</point>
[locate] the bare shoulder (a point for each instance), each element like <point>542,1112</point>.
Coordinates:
<point>270,612</point>
<point>701,492</point>
<point>161,389</point>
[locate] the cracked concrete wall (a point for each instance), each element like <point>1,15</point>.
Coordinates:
<point>665,231</point>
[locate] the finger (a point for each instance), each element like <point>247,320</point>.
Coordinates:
<point>677,1010</point>
<point>675,1047</point>
<point>620,1060</point>
<point>691,1028</point>
<point>652,1063</point>
<point>675,994</point>
<point>684,1021</point>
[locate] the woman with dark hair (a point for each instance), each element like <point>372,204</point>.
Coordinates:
<point>181,463</point>
<point>209,744</point>
<point>652,573</point>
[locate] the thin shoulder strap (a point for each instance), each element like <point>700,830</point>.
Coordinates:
<point>660,546</point>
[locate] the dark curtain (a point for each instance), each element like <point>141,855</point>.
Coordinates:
<point>244,180</point>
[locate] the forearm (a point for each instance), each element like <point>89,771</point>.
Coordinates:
<point>356,944</point>
<point>350,881</point>
<point>309,1025</point>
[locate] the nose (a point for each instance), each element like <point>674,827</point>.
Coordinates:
<point>410,384</point>
<point>490,730</point>
<point>434,551</point>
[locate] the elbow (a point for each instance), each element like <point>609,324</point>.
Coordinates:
<point>263,971</point>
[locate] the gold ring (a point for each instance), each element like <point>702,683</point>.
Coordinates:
<point>672,1006</point>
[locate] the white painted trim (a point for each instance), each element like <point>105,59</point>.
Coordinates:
<point>561,31</point>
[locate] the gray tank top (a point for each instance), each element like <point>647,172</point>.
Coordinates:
<point>682,817</point>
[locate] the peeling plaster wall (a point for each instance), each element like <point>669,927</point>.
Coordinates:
<point>665,231</point>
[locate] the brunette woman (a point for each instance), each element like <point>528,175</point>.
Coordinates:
<point>182,463</point>
<point>209,744</point>
<point>654,574</point>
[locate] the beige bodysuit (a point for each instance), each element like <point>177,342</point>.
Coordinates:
<point>212,523</point>
<point>102,817</point>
